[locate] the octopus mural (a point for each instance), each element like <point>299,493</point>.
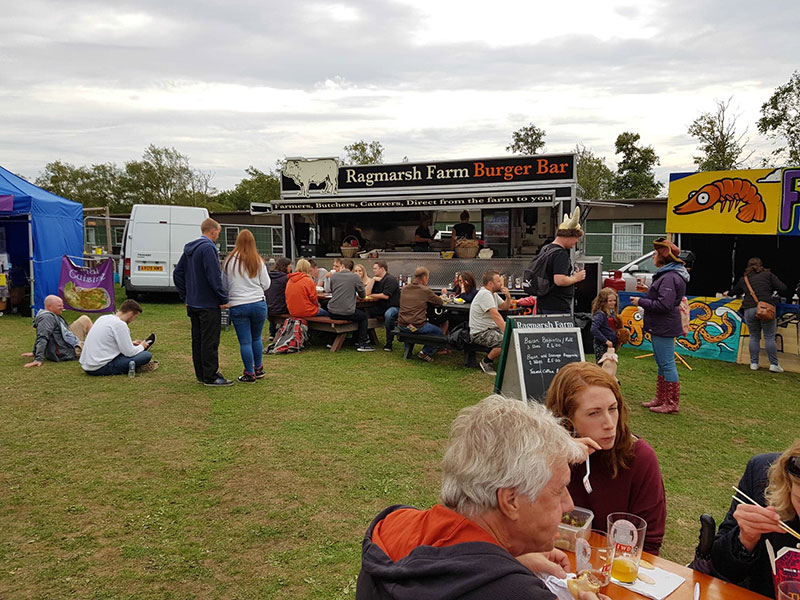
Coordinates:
<point>714,329</point>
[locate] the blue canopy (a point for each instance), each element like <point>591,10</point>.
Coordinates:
<point>56,226</point>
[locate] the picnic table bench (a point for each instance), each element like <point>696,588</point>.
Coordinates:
<point>339,327</point>
<point>409,340</point>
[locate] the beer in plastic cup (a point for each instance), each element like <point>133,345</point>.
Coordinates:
<point>626,531</point>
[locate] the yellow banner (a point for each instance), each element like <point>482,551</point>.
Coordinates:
<point>747,201</point>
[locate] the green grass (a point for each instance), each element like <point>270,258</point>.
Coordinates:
<point>159,488</point>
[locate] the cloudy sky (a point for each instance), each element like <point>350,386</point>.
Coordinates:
<point>243,82</point>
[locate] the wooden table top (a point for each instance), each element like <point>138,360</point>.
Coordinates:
<point>711,588</point>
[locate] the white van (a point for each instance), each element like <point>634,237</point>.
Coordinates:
<point>154,239</point>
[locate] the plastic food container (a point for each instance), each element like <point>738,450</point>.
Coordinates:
<point>566,533</point>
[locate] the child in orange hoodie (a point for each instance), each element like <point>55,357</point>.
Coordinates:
<point>301,293</point>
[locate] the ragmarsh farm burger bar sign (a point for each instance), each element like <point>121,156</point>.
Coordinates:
<point>311,185</point>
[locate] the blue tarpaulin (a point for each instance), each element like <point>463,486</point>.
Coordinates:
<point>56,226</point>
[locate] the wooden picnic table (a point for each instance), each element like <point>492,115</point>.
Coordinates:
<point>360,302</point>
<point>711,588</point>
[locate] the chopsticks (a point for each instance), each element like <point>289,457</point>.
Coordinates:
<point>782,525</point>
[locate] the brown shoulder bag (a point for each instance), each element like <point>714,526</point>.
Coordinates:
<point>765,311</point>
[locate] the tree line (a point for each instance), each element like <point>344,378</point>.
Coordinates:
<point>165,176</point>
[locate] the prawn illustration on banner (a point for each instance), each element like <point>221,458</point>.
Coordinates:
<point>744,201</point>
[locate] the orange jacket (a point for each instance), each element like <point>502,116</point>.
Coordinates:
<point>301,296</point>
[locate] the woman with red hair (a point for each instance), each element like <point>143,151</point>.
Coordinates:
<point>625,476</point>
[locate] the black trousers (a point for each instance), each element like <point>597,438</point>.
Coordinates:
<point>359,318</point>
<point>206,327</point>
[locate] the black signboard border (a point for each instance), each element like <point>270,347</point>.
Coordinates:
<point>520,365</point>
<point>513,323</point>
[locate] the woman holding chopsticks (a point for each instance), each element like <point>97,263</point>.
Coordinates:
<point>766,506</point>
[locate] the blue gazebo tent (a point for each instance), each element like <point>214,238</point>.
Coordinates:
<point>40,228</point>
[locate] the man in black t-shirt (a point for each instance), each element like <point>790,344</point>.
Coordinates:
<point>464,229</point>
<point>387,291</point>
<point>559,270</point>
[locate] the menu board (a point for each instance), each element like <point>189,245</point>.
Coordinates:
<point>535,356</point>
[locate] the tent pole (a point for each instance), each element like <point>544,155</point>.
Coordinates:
<point>30,263</point>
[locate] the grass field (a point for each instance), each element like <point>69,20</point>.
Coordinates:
<point>155,487</point>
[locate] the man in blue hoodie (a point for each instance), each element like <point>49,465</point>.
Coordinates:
<point>198,277</point>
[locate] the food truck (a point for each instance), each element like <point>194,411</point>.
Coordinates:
<point>515,202</point>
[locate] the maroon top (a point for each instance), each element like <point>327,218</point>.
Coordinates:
<point>638,490</point>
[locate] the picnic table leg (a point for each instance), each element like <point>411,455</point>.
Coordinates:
<point>338,341</point>
<point>373,337</point>
<point>408,350</point>
<point>471,360</point>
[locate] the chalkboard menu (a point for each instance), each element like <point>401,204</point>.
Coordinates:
<point>534,358</point>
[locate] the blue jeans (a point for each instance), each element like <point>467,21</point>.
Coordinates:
<point>119,364</point>
<point>427,328</point>
<point>389,321</point>
<point>323,313</point>
<point>664,352</point>
<point>248,321</point>
<point>757,327</point>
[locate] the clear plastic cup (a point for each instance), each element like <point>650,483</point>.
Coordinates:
<point>789,590</point>
<point>594,554</point>
<point>626,532</point>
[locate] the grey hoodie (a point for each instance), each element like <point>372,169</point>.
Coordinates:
<point>54,340</point>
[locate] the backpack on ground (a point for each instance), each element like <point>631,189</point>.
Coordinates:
<point>535,279</point>
<point>291,337</point>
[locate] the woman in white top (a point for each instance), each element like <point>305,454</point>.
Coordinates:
<point>245,276</point>
<point>365,279</point>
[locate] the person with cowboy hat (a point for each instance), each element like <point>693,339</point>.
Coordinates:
<point>662,319</point>
<point>559,271</point>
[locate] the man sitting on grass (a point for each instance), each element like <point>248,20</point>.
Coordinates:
<point>486,324</point>
<point>55,340</point>
<point>109,350</point>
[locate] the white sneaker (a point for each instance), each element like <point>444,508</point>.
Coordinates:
<point>754,366</point>
<point>776,368</point>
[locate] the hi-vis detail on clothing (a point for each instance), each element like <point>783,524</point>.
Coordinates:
<point>752,201</point>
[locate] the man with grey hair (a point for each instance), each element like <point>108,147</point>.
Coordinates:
<point>504,488</point>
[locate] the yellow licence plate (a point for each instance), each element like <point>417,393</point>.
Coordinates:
<point>151,268</point>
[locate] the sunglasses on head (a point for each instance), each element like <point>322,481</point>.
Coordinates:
<point>793,466</point>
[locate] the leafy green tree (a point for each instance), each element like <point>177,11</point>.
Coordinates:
<point>594,176</point>
<point>96,185</point>
<point>527,140</point>
<point>257,187</point>
<point>635,177</point>
<point>721,146</point>
<point>363,153</point>
<point>164,176</point>
<point>780,120</point>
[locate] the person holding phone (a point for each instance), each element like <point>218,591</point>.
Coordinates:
<point>109,350</point>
